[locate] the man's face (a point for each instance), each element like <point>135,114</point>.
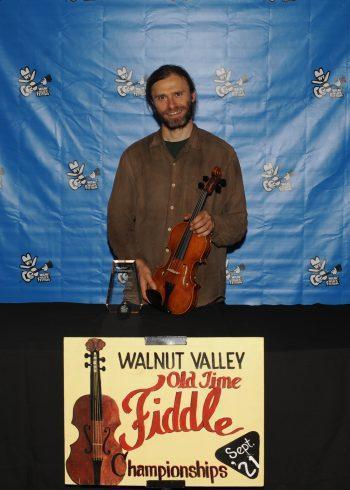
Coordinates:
<point>173,102</point>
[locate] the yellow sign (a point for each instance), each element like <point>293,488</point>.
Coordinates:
<point>136,413</point>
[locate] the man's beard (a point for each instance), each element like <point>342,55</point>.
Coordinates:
<point>176,123</point>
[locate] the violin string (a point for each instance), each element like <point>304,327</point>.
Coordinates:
<point>183,244</point>
<point>95,421</point>
<point>96,416</point>
<point>187,234</point>
<point>179,254</point>
<point>181,247</point>
<point>95,409</point>
<point>98,411</point>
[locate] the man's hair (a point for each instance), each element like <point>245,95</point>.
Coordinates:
<point>164,72</point>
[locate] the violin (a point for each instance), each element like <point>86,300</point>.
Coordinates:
<point>96,457</point>
<point>177,290</point>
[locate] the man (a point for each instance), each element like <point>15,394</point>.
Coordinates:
<point>156,186</point>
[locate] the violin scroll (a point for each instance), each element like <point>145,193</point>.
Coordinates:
<point>94,345</point>
<point>212,183</point>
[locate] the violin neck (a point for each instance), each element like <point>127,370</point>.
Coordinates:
<point>95,388</point>
<point>185,240</point>
<point>199,206</point>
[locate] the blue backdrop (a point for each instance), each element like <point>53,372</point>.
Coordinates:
<point>272,80</point>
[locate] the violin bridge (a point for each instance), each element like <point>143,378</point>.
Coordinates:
<point>173,271</point>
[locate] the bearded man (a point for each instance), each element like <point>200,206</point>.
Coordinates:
<point>156,186</point>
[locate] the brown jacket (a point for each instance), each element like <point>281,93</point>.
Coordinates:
<point>152,192</point>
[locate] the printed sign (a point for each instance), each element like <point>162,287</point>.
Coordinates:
<point>137,413</point>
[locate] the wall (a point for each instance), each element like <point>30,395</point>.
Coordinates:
<point>272,80</point>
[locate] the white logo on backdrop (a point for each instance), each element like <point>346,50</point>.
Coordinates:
<point>234,276</point>
<point>30,271</point>
<point>319,274</point>
<point>77,177</point>
<point>126,85</point>
<point>271,179</point>
<point>325,87</point>
<point>29,86</point>
<point>224,84</point>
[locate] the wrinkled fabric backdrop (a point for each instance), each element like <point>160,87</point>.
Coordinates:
<point>272,79</point>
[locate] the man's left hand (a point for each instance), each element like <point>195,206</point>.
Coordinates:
<point>203,224</point>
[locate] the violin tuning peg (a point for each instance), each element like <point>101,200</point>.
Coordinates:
<point>87,364</point>
<point>218,189</point>
<point>86,355</point>
<point>223,182</point>
<point>205,178</point>
<point>103,368</point>
<point>200,185</point>
<point>102,359</point>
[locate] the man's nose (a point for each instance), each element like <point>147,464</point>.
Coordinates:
<point>171,102</point>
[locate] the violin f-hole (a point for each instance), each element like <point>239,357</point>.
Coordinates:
<point>86,428</point>
<point>106,451</point>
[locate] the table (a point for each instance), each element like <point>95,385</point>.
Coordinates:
<point>307,384</point>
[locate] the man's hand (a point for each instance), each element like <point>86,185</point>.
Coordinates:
<point>203,224</point>
<point>145,277</point>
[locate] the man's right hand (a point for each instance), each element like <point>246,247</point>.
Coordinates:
<point>145,278</point>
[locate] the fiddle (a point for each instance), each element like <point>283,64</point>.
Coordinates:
<point>96,457</point>
<point>177,290</point>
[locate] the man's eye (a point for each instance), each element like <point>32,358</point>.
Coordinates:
<point>178,94</point>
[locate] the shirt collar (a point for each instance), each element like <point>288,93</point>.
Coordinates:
<point>193,141</point>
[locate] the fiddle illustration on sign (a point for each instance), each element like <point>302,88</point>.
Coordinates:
<point>234,276</point>
<point>28,85</point>
<point>78,179</point>
<point>324,87</point>
<point>96,458</point>
<point>168,409</point>
<point>224,84</point>
<point>125,84</point>
<point>319,274</point>
<point>271,180</point>
<point>30,271</point>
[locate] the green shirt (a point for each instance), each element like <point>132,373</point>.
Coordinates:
<point>175,146</point>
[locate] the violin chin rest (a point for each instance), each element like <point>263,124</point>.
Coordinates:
<point>155,298</point>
